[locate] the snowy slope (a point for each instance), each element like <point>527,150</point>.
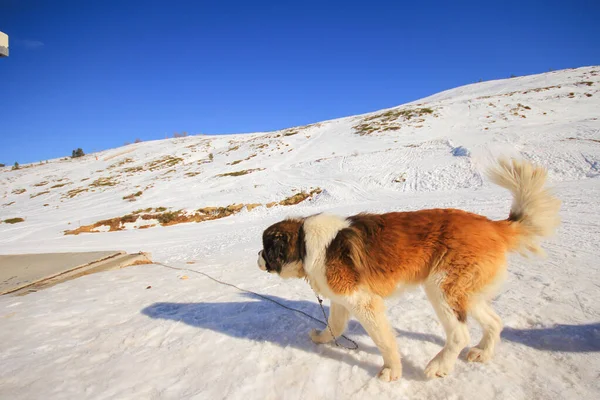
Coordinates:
<point>108,336</point>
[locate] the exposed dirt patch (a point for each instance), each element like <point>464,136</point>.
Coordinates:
<point>164,162</point>
<point>60,185</point>
<point>245,159</point>
<point>299,197</point>
<point>19,191</point>
<point>132,170</point>
<point>13,220</point>
<point>133,196</point>
<point>104,181</point>
<point>43,183</point>
<point>239,173</point>
<point>519,110</point>
<point>391,120</point>
<point>121,163</point>
<point>74,192</point>
<point>39,194</point>
<point>168,218</point>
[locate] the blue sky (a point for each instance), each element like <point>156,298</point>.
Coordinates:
<point>97,74</point>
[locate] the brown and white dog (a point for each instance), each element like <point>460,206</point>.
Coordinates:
<point>458,257</point>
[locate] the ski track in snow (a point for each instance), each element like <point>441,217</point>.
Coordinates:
<point>107,336</point>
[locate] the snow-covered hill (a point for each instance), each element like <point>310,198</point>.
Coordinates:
<point>107,336</point>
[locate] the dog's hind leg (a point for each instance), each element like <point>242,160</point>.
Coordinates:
<point>452,314</point>
<point>370,312</point>
<point>338,319</point>
<point>492,326</point>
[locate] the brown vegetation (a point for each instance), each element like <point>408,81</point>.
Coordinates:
<point>239,173</point>
<point>388,121</point>
<point>13,220</point>
<point>168,218</point>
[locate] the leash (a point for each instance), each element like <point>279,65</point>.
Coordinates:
<point>355,345</point>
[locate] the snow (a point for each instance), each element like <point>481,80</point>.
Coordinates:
<point>154,332</point>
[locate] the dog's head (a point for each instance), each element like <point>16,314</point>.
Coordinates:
<point>283,249</point>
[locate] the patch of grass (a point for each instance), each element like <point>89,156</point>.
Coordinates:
<point>43,183</point>
<point>192,174</point>
<point>290,132</point>
<point>60,185</point>
<point>143,210</point>
<point>74,192</point>
<point>8,204</point>
<point>588,83</point>
<point>19,191</point>
<point>167,217</point>
<point>129,218</point>
<point>388,121</point>
<point>235,162</point>
<point>132,197</point>
<point>132,170</point>
<point>13,220</point>
<point>39,194</point>
<point>299,197</point>
<point>104,181</point>
<point>121,163</point>
<point>164,162</point>
<point>85,179</point>
<point>240,173</point>
<point>365,129</point>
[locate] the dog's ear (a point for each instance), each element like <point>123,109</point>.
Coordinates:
<point>276,250</point>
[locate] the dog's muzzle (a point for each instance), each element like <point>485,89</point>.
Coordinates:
<point>262,263</point>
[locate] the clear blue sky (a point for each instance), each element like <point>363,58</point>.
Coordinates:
<point>96,74</point>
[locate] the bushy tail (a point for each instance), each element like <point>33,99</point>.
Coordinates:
<point>534,209</point>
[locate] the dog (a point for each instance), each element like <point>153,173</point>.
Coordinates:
<point>458,257</point>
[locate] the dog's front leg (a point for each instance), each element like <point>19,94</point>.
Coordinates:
<point>338,319</point>
<point>370,312</point>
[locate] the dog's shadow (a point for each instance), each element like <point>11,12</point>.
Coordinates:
<point>261,320</point>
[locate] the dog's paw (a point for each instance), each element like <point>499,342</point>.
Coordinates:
<point>319,337</point>
<point>389,374</point>
<point>437,368</point>
<point>476,354</point>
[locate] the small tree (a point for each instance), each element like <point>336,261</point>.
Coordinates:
<point>2,165</point>
<point>16,166</point>
<point>138,140</point>
<point>77,153</point>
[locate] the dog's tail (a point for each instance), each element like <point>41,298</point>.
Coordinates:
<point>534,211</point>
